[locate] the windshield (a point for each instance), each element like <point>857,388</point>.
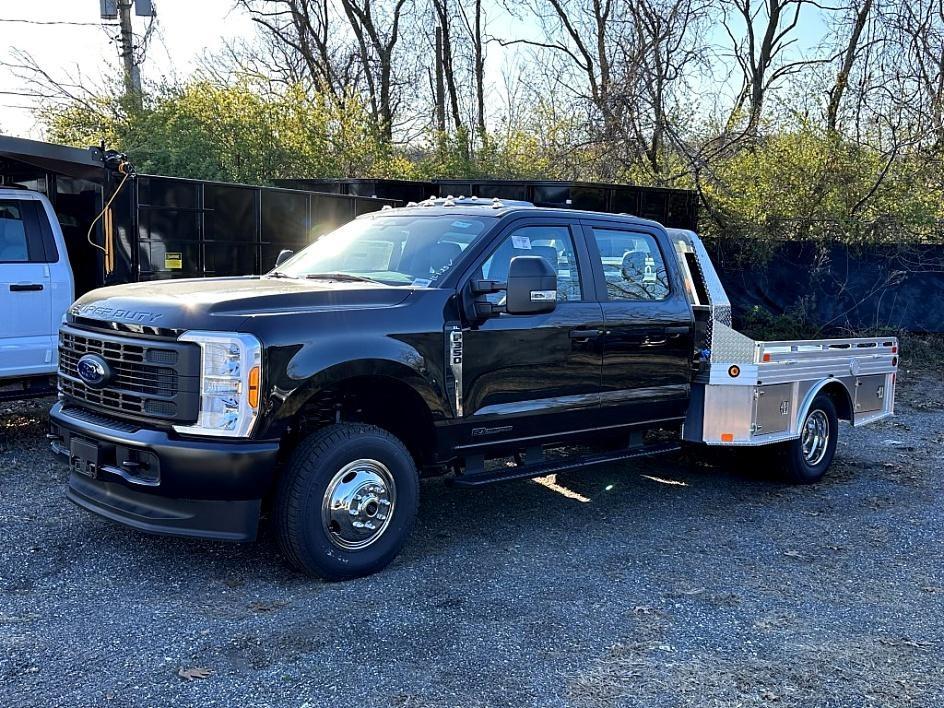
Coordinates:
<point>394,250</point>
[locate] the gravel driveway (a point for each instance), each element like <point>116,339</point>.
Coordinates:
<point>657,582</point>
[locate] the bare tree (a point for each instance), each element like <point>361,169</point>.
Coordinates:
<point>759,49</point>
<point>656,64</point>
<point>859,11</point>
<point>377,29</point>
<point>349,45</point>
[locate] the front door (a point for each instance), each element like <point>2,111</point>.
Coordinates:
<point>28,334</point>
<point>648,348</point>
<point>528,378</point>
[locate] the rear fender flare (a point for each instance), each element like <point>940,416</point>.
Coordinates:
<point>816,389</point>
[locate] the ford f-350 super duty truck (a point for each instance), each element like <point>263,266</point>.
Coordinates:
<point>431,339</point>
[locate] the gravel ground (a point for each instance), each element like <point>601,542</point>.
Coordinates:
<point>659,582</point>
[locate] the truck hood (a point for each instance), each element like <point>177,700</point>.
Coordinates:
<point>223,303</point>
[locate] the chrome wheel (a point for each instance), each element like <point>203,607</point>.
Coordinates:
<point>358,504</point>
<point>815,439</point>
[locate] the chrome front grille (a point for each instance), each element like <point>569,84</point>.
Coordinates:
<point>149,379</point>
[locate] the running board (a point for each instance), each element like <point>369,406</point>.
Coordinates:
<point>563,464</point>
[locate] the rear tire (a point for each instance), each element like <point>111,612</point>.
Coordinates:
<point>806,459</point>
<point>346,503</point>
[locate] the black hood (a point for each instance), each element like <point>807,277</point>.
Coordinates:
<point>223,303</point>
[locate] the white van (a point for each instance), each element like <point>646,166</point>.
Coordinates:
<point>36,287</point>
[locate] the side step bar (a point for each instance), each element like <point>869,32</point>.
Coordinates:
<point>563,464</point>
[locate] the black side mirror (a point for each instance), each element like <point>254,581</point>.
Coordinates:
<point>532,286</point>
<point>284,255</point>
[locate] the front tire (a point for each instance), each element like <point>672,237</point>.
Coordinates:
<point>806,459</point>
<point>347,501</point>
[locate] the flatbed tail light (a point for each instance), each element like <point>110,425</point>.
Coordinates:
<point>230,364</point>
<point>766,356</point>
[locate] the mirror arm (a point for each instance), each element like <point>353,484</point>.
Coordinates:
<point>485,309</point>
<point>487,287</point>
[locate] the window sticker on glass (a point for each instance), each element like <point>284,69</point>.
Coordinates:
<point>421,282</point>
<point>649,275</point>
<point>521,242</point>
<point>462,224</point>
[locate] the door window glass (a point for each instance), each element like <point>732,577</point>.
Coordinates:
<point>632,265</point>
<point>553,243</point>
<point>13,246</point>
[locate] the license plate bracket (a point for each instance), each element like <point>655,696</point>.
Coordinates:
<point>83,456</point>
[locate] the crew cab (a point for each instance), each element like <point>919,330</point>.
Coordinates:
<point>36,287</point>
<point>433,339</point>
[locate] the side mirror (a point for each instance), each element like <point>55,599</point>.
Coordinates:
<point>284,255</point>
<point>532,286</point>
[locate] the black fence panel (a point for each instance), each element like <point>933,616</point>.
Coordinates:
<point>676,208</point>
<point>832,287</point>
<point>191,228</point>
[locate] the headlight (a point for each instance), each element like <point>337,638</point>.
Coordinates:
<point>229,383</point>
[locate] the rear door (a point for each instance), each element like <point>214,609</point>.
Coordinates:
<point>648,342</point>
<point>28,335</point>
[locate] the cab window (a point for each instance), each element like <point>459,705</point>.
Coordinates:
<point>553,243</point>
<point>13,243</point>
<point>632,265</point>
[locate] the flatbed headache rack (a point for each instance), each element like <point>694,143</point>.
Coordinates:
<point>749,392</point>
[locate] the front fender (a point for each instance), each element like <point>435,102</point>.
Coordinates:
<point>298,373</point>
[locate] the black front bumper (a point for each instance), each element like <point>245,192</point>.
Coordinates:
<point>150,480</point>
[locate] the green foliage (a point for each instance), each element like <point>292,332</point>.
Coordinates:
<point>232,133</point>
<point>793,181</point>
<point>803,184</point>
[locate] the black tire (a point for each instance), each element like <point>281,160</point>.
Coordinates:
<point>303,534</point>
<point>796,466</point>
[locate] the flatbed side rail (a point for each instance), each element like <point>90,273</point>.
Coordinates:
<point>805,349</point>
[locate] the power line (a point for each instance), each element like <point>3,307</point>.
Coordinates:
<point>60,22</point>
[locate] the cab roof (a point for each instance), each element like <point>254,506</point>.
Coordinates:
<point>485,207</point>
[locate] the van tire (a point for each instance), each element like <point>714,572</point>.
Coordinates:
<point>338,477</point>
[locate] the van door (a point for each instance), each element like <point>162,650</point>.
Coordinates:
<point>28,334</point>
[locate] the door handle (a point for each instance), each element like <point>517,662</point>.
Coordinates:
<point>584,335</point>
<point>648,341</point>
<point>25,287</point>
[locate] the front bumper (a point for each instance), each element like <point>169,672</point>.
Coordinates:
<point>156,482</point>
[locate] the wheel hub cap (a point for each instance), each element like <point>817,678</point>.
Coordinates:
<point>358,504</point>
<point>815,437</point>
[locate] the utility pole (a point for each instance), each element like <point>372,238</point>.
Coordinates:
<point>132,71</point>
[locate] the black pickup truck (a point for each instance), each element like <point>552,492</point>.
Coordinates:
<point>431,339</point>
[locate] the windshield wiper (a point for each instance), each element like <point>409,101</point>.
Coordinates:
<point>347,277</point>
<point>279,274</point>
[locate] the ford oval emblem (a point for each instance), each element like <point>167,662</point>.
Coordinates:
<point>93,370</point>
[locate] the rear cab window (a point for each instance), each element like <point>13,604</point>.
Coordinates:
<point>633,266</point>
